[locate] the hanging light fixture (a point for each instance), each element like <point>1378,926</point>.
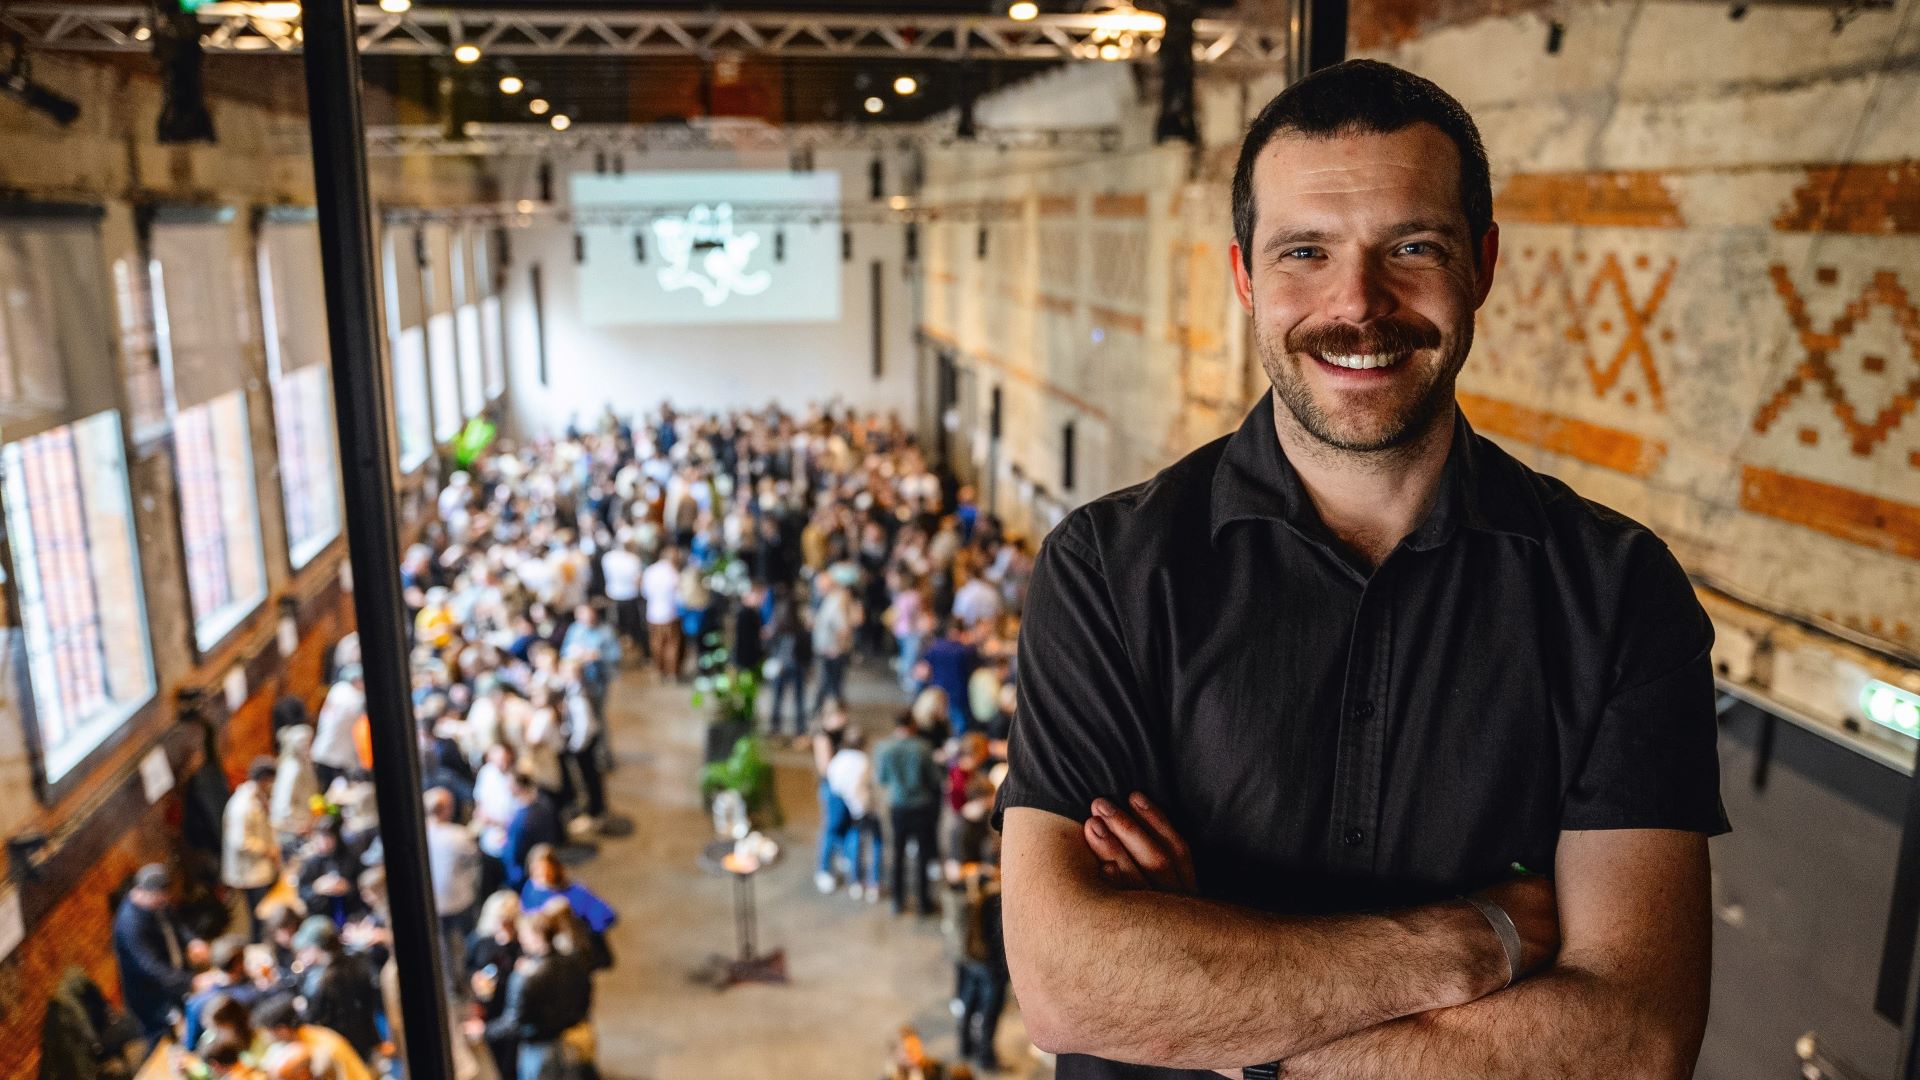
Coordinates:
<point>396,7</point>
<point>874,105</point>
<point>466,52</point>
<point>906,85</point>
<point>561,121</point>
<point>511,84</point>
<point>1023,10</point>
<point>538,106</point>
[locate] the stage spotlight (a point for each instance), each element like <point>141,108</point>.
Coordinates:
<point>183,98</point>
<point>17,83</point>
<point>466,52</point>
<point>561,122</point>
<point>538,106</point>
<point>396,7</point>
<point>906,85</point>
<point>874,105</point>
<point>1023,11</point>
<point>511,84</point>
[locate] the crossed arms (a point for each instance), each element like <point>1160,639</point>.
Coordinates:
<point>1113,956</point>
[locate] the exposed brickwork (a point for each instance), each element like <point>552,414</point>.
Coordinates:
<point>1874,199</point>
<point>1639,199</point>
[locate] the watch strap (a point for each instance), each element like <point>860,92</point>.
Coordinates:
<point>1503,929</point>
<point>1269,1071</point>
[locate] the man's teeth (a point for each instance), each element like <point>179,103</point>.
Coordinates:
<point>1363,361</point>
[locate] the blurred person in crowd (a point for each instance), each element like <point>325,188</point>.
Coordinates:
<point>249,846</point>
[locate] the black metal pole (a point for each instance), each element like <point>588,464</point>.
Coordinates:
<point>360,382</point>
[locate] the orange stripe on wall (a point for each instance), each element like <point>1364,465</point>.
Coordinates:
<point>1854,516</point>
<point>1122,206</point>
<point>1589,198</point>
<point>1876,199</point>
<point>1595,444</point>
<point>1110,319</point>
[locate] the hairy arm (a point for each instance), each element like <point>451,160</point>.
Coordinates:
<point>1159,978</point>
<point>1627,997</point>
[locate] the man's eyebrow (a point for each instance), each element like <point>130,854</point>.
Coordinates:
<point>1416,225</point>
<point>1286,238</point>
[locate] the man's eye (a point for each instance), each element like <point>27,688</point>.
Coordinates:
<point>1299,253</point>
<point>1419,247</point>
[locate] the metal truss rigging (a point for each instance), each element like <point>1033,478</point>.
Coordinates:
<point>237,27</point>
<point>528,140</point>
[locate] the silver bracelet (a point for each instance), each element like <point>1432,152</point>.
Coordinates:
<point>1503,929</point>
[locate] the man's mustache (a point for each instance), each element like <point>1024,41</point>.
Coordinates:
<point>1342,339</point>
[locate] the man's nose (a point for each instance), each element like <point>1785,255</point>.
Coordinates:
<point>1358,291</point>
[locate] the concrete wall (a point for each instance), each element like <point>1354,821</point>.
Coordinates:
<point>636,367</point>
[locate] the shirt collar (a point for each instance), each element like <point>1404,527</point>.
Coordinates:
<point>1481,488</point>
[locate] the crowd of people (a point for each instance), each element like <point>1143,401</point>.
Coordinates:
<point>785,546</point>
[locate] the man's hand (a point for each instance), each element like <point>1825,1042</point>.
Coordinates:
<point>1138,847</point>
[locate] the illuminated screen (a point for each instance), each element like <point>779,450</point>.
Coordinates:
<point>709,247</point>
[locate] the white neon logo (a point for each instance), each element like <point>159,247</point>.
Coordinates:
<point>706,234</point>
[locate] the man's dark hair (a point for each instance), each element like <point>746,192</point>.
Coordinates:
<point>1364,97</point>
<point>279,1011</point>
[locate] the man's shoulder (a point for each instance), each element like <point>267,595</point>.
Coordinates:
<point>1169,508</point>
<point>1577,530</point>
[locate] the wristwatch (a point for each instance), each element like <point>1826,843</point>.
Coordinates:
<point>1269,1071</point>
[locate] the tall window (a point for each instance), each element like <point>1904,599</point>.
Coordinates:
<point>77,570</point>
<point>406,326</point>
<point>492,329</point>
<point>293,305</point>
<point>206,332</point>
<point>466,295</point>
<point>442,339</point>
<point>214,467</point>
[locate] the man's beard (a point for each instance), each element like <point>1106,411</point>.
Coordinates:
<point>1412,419</point>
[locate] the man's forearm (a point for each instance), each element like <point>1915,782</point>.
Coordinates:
<point>1565,1023</point>
<point>1179,982</point>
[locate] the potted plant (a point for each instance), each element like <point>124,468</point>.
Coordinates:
<point>746,772</point>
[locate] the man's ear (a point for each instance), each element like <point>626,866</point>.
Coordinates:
<point>1242,278</point>
<point>1489,256</point>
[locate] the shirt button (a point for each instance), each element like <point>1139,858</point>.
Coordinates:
<point>1363,709</point>
<point>1353,837</point>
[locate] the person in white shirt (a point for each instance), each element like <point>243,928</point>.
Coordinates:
<point>660,585</point>
<point>453,860</point>
<point>850,776</point>
<point>493,801</point>
<point>622,570</point>
<point>249,847</point>
<point>333,750</point>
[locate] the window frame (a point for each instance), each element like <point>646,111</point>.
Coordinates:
<point>299,554</point>
<point>157,217</point>
<point>136,717</point>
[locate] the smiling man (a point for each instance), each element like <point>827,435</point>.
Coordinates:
<point>1299,715</point>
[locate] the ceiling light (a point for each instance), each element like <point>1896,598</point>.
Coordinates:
<point>905,85</point>
<point>396,7</point>
<point>276,11</point>
<point>1023,10</point>
<point>1121,16</point>
<point>561,122</point>
<point>1109,51</point>
<point>467,53</point>
<point>538,106</point>
<point>142,33</point>
<point>511,84</point>
<point>524,206</point>
<point>874,105</point>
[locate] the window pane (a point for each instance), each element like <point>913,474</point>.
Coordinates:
<point>413,417</point>
<point>303,412</point>
<point>219,519</point>
<point>139,352</point>
<point>71,524</point>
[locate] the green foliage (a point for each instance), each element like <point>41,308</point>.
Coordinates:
<point>746,771</point>
<point>732,692</point>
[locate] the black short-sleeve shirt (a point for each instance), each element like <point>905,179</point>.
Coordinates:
<point>1332,739</point>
